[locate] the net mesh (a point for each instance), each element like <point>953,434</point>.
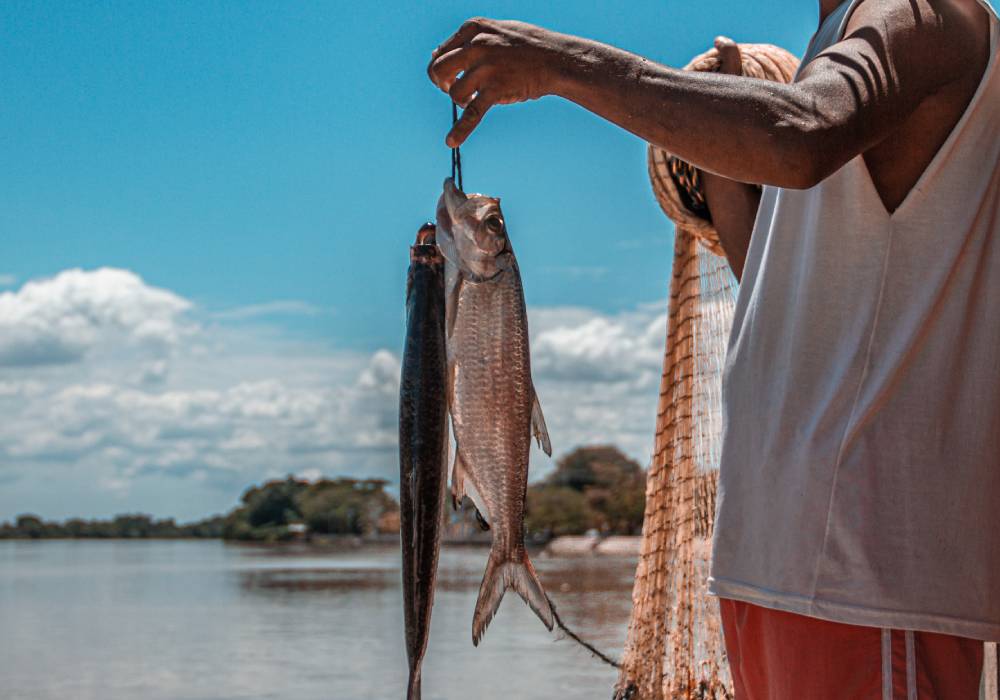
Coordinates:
<point>674,647</point>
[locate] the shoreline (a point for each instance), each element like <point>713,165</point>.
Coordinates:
<point>558,547</point>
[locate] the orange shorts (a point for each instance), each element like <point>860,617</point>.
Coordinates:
<point>776,655</point>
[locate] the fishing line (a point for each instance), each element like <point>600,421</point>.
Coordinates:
<point>576,638</point>
<point>456,153</point>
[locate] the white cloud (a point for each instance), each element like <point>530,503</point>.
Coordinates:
<point>597,376</point>
<point>107,384</point>
<point>232,434</point>
<point>581,345</point>
<point>381,376</point>
<point>59,320</point>
<point>105,377</point>
<point>7,279</point>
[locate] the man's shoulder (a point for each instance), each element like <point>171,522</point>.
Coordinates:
<point>942,39</point>
<point>928,18</point>
<point>911,68</point>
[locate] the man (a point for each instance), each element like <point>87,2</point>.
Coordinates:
<point>854,553</point>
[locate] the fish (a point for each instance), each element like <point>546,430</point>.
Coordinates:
<point>492,401</point>
<point>423,445</point>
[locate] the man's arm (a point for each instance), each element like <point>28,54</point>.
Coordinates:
<point>847,100</point>
<point>733,204</point>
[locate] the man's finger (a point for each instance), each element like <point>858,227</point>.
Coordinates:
<point>463,36</point>
<point>471,116</point>
<point>469,84</point>
<point>445,68</point>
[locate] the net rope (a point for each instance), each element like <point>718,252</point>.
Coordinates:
<point>674,647</point>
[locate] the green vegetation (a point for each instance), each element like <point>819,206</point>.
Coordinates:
<point>122,526</point>
<point>280,510</point>
<point>592,488</point>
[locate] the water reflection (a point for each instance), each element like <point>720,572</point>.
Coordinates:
<point>206,621</point>
<point>316,580</point>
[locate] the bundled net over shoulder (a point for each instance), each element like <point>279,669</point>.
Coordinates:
<point>674,647</point>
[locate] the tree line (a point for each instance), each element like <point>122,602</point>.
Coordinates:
<point>129,526</point>
<point>286,509</point>
<point>595,488</point>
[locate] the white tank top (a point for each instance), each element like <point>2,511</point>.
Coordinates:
<point>860,474</point>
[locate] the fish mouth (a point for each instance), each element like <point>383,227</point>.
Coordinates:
<point>427,234</point>
<point>453,197</point>
<point>425,249</point>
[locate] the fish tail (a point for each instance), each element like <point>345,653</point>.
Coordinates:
<point>501,574</point>
<point>413,687</point>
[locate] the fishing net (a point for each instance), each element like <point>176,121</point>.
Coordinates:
<point>674,647</point>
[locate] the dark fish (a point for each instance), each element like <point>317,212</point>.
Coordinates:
<point>494,409</point>
<point>423,444</point>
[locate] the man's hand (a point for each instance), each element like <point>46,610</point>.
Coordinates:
<point>501,62</point>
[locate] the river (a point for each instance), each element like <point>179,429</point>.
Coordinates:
<point>203,620</point>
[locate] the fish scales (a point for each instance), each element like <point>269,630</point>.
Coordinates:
<point>493,397</point>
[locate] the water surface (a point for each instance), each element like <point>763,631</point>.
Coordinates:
<point>192,620</point>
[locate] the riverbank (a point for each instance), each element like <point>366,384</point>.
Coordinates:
<point>565,546</point>
<point>594,546</point>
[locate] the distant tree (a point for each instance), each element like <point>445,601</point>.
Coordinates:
<point>554,511</point>
<point>132,525</point>
<point>345,506</point>
<point>329,506</point>
<point>236,527</point>
<point>30,526</point>
<point>208,528</point>
<point>75,527</point>
<point>610,493</point>
<point>388,523</point>
<point>602,466</point>
<point>274,503</point>
<point>621,508</point>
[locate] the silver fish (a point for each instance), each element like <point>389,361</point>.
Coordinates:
<point>493,405</point>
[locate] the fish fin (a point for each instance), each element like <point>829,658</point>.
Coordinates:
<point>482,512</point>
<point>451,373</point>
<point>457,480</point>
<point>460,489</point>
<point>538,426</point>
<point>445,462</point>
<point>500,575</point>
<point>413,686</point>
<point>481,521</point>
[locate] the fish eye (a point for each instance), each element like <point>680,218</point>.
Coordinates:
<point>494,224</point>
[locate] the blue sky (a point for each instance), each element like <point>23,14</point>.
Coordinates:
<point>265,166</point>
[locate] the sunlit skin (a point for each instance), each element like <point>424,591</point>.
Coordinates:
<point>891,90</point>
